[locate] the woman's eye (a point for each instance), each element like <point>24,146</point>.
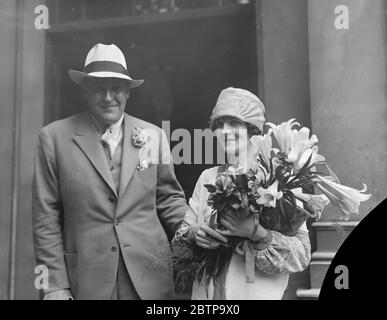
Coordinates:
<point>219,125</point>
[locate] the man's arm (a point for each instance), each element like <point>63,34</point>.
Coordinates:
<point>171,203</point>
<point>46,212</point>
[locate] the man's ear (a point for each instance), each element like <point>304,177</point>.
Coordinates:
<point>83,92</point>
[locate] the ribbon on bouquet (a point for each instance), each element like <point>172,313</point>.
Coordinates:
<point>244,248</point>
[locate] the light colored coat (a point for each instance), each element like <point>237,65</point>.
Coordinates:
<point>79,218</point>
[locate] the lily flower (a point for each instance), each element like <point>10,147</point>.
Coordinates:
<point>299,163</point>
<point>260,175</point>
<point>299,142</point>
<point>268,196</point>
<point>235,170</point>
<point>282,133</point>
<point>301,147</point>
<point>317,202</point>
<point>345,198</point>
<point>223,182</point>
<point>263,145</point>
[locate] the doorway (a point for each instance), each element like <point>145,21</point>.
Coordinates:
<point>185,64</point>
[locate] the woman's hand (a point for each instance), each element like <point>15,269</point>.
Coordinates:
<point>206,237</point>
<point>242,226</point>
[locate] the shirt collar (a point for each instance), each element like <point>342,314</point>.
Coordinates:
<point>115,127</point>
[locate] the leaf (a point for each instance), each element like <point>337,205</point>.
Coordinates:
<point>302,170</point>
<point>301,209</point>
<point>235,205</point>
<point>271,169</point>
<point>264,164</point>
<point>332,173</point>
<point>210,188</point>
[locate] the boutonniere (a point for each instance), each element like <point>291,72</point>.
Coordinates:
<point>139,137</point>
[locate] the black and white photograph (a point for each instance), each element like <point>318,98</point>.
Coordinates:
<point>190,149</point>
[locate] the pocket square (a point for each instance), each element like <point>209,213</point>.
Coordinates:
<point>144,164</point>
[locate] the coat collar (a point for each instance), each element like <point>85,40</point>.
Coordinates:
<point>130,154</point>
<point>87,138</point>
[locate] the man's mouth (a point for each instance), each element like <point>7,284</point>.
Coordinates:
<point>110,107</point>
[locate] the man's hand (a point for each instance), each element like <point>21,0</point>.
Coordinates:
<point>206,237</point>
<point>59,295</point>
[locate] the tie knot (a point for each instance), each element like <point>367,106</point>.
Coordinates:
<point>108,140</point>
<point>107,135</point>
<point>108,130</point>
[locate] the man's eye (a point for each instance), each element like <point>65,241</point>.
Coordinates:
<point>98,89</point>
<point>116,88</point>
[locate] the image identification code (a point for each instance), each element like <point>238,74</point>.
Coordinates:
<point>194,309</point>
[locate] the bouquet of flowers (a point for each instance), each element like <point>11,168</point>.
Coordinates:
<point>277,188</point>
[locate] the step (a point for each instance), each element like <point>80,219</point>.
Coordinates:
<point>318,270</point>
<point>319,266</point>
<point>323,255</point>
<point>331,235</point>
<point>308,294</point>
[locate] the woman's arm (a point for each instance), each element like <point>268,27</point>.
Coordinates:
<point>274,252</point>
<point>278,253</point>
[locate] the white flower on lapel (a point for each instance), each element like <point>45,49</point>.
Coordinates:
<point>145,140</point>
<point>139,137</point>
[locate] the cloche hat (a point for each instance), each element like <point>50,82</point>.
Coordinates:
<point>240,104</point>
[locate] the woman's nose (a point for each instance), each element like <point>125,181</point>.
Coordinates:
<point>227,128</point>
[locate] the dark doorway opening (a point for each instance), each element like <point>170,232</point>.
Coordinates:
<point>185,64</point>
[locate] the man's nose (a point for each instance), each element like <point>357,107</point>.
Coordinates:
<point>108,94</point>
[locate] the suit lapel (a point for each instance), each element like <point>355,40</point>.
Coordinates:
<point>130,154</point>
<point>87,139</point>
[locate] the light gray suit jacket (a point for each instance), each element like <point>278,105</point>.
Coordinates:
<point>79,220</point>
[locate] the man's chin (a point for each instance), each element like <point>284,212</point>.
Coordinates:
<point>109,119</point>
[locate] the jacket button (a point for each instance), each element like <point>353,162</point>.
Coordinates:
<point>114,248</point>
<point>111,199</point>
<point>116,222</point>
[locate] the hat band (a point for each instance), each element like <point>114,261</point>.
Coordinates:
<point>105,66</point>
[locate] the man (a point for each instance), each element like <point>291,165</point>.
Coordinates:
<point>102,213</point>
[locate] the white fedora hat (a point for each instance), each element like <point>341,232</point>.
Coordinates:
<point>104,61</point>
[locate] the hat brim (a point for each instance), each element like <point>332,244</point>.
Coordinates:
<point>78,77</point>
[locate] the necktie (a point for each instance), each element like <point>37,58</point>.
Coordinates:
<point>109,141</point>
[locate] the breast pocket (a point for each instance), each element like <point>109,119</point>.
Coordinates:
<point>147,177</point>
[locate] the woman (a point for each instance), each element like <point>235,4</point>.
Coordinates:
<point>237,116</point>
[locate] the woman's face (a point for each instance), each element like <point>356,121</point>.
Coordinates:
<point>232,135</point>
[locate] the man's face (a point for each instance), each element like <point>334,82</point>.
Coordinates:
<point>106,98</point>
